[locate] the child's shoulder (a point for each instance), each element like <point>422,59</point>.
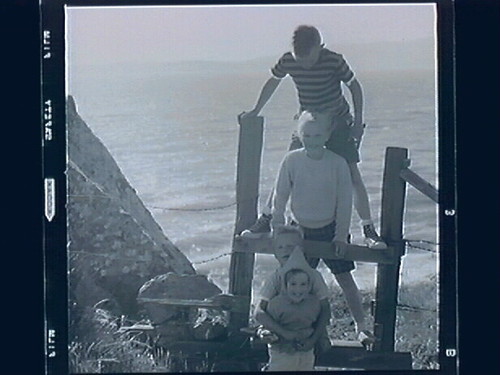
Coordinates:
<point>334,156</point>
<point>296,154</point>
<point>331,53</point>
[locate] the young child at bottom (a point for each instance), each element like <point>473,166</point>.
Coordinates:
<point>295,313</point>
<point>318,185</point>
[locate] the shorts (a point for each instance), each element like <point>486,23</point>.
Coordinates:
<point>339,142</point>
<point>296,361</point>
<point>326,234</point>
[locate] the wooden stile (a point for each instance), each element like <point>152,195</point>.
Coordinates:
<point>348,355</point>
<point>393,199</point>
<point>247,194</point>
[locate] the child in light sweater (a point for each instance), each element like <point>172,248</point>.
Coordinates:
<point>317,182</point>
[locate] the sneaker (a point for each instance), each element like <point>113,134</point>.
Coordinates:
<point>367,339</point>
<point>261,228</point>
<point>372,239</point>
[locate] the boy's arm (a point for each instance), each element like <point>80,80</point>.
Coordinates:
<point>281,194</point>
<point>320,326</point>
<point>357,129</point>
<point>265,94</point>
<point>344,202</point>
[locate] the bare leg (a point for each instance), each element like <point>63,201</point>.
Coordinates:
<point>267,209</point>
<point>361,202</point>
<point>353,298</point>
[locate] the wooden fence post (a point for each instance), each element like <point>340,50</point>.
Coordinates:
<point>247,194</point>
<point>393,201</point>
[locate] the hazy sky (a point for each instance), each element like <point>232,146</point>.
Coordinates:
<point>114,34</point>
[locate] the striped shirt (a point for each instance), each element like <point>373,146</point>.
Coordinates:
<point>319,88</point>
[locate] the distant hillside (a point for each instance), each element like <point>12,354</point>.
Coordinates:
<point>388,56</point>
<point>411,55</point>
<point>408,55</point>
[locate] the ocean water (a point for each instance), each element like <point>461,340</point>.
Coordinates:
<point>172,130</point>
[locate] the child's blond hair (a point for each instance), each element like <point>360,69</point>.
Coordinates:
<point>321,118</point>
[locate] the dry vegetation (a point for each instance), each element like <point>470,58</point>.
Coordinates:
<point>416,322</point>
<point>104,349</point>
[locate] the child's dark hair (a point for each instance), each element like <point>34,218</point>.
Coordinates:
<point>293,272</point>
<point>304,38</point>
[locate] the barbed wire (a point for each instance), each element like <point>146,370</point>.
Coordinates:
<point>201,209</point>
<point>213,258</point>
<point>403,306</point>
<point>410,243</point>
<point>193,209</point>
<point>423,241</point>
<point>89,196</point>
<point>88,253</point>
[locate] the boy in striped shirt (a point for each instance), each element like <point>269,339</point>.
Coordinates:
<point>318,74</point>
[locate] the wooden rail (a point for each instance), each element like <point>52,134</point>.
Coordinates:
<point>327,250</point>
<point>420,184</point>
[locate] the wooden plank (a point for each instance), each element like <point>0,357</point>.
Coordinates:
<point>349,356</point>
<point>392,210</point>
<point>247,193</point>
<point>420,184</point>
<point>232,303</point>
<point>322,249</point>
<point>358,358</point>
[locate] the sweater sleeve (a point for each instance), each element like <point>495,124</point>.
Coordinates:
<point>282,191</point>
<point>273,308</point>
<point>271,287</point>
<point>344,201</point>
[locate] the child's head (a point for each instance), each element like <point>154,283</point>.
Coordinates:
<point>314,129</point>
<point>297,284</point>
<point>285,240</point>
<point>306,45</point>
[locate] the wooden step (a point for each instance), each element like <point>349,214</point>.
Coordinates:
<point>321,249</point>
<point>220,302</point>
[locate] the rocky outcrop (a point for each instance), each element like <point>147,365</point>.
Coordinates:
<point>115,245</point>
<point>172,286</point>
<point>181,323</point>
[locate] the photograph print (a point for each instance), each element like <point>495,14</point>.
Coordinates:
<point>253,188</point>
